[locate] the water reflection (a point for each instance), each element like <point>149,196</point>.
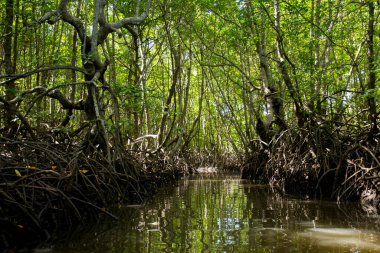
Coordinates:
<point>225,214</point>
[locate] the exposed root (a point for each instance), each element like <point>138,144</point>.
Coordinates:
<point>46,188</point>
<point>320,163</point>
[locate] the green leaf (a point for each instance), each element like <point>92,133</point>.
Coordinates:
<point>18,173</point>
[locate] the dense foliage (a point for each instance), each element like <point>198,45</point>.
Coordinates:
<point>196,75</point>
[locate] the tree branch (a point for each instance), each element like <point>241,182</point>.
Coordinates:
<point>49,17</point>
<point>66,104</point>
<point>74,21</point>
<point>13,78</point>
<point>136,20</point>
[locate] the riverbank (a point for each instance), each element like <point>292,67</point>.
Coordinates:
<point>47,188</point>
<point>321,163</point>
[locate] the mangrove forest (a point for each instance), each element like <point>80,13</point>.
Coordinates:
<point>104,102</point>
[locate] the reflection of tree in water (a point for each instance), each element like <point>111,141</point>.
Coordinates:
<point>214,214</point>
<point>285,212</point>
<point>274,220</point>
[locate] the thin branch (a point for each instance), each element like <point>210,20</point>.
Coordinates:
<point>49,17</point>
<point>74,21</point>
<point>13,78</point>
<point>31,104</point>
<point>230,62</point>
<point>136,20</point>
<point>341,91</point>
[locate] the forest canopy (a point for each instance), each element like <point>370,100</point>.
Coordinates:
<point>198,75</point>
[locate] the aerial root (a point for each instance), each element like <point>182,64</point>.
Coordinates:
<point>46,187</point>
<point>319,163</point>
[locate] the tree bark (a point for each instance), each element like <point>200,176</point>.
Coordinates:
<point>371,82</point>
<point>92,62</point>
<point>275,105</point>
<point>281,56</point>
<point>10,87</point>
<point>176,68</point>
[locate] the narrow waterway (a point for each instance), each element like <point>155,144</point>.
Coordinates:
<point>222,213</point>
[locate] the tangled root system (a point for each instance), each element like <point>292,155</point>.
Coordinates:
<point>320,163</point>
<point>45,187</point>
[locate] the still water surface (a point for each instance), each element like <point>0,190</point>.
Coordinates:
<point>225,214</point>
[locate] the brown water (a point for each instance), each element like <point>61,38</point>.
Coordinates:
<point>224,214</point>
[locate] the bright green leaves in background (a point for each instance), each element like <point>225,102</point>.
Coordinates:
<point>192,70</point>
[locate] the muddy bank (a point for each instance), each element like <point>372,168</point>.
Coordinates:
<point>320,163</point>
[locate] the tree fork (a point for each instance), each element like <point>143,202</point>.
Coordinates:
<point>91,60</point>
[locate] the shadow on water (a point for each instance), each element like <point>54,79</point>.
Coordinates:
<point>221,213</point>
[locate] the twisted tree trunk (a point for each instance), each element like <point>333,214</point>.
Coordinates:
<point>92,62</point>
